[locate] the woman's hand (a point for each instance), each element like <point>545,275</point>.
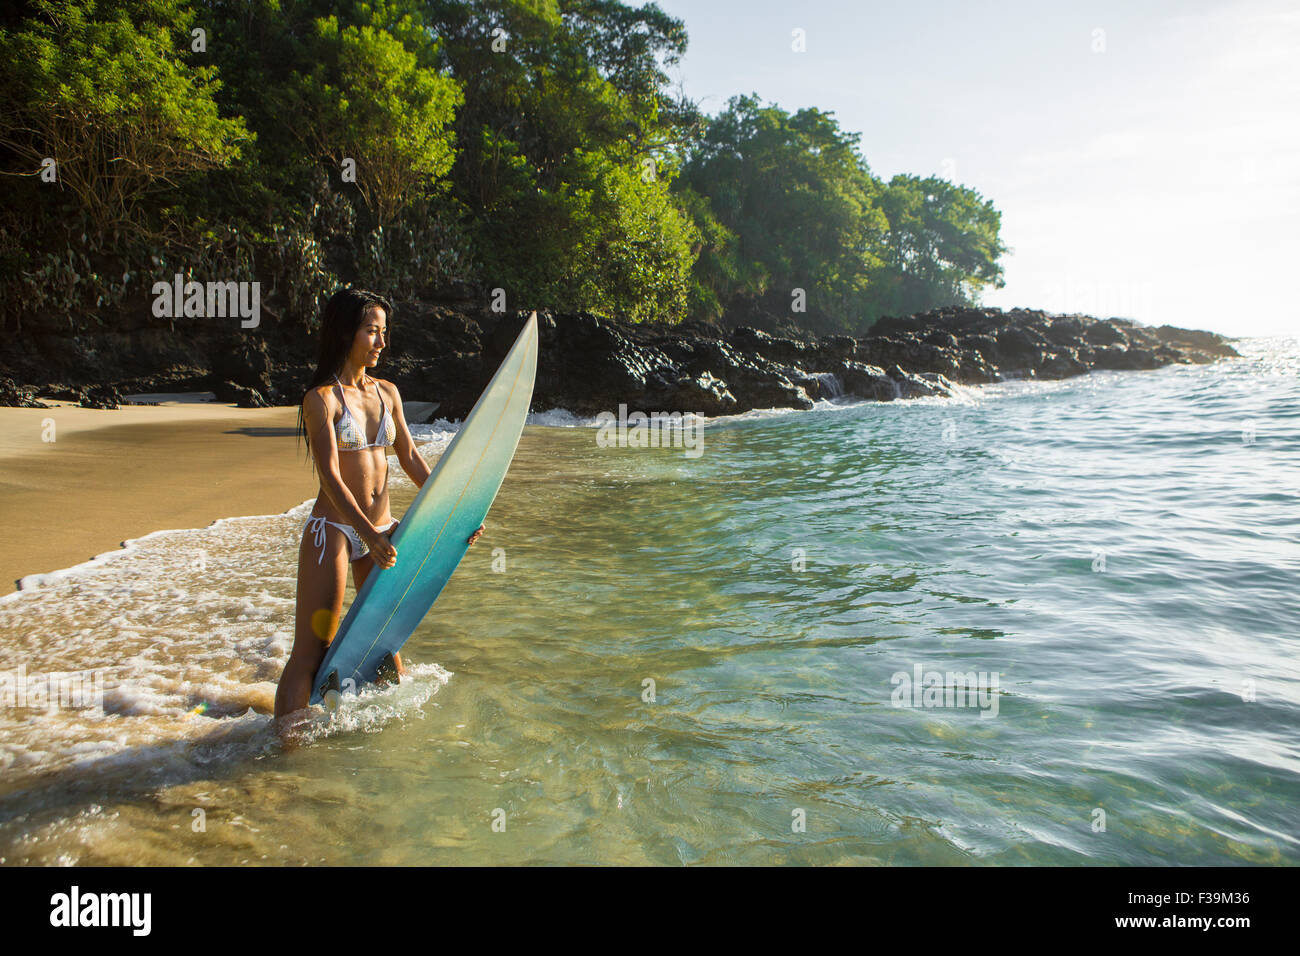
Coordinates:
<point>381,549</point>
<point>477,534</point>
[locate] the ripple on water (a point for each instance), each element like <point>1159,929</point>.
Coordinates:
<point>684,658</point>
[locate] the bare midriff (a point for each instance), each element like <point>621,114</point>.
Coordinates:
<point>365,473</point>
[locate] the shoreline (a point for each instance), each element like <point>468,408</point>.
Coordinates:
<point>110,483</point>
<point>105,477</point>
<point>589,363</point>
<point>108,470</point>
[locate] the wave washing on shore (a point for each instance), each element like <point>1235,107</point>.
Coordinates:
<point>686,655</point>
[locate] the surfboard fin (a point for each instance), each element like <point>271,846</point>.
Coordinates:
<point>387,673</point>
<point>331,684</point>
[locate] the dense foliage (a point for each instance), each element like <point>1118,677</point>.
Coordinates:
<point>529,149</point>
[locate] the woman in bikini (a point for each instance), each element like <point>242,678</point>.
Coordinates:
<point>351,523</point>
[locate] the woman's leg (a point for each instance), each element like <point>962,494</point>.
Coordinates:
<point>321,580</point>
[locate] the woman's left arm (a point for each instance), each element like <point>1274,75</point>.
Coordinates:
<point>416,468</point>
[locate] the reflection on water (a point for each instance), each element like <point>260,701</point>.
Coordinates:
<point>691,660</point>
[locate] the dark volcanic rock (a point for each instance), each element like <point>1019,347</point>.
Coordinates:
<point>1197,346</point>
<point>941,384</point>
<point>1124,358</point>
<point>762,383</point>
<point>1062,364</point>
<point>240,395</point>
<point>13,395</point>
<point>446,351</point>
<point>101,396</point>
<point>1021,347</point>
<point>909,352</point>
<point>773,348</point>
<point>246,362</point>
<point>1066,331</point>
<point>589,365</point>
<point>1104,333</point>
<point>868,381</point>
<point>454,381</point>
<point>701,393</point>
<point>1033,344</point>
<point>919,385</point>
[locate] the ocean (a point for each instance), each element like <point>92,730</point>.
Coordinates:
<point>1037,623</point>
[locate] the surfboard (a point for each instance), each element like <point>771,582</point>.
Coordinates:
<point>433,535</point>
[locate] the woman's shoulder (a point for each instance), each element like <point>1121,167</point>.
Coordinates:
<point>320,395</point>
<point>389,389</point>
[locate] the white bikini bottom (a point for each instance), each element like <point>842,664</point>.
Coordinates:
<point>356,547</point>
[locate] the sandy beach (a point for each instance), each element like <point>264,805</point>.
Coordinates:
<point>111,475</point>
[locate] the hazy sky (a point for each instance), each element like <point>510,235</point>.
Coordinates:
<point>1145,156</point>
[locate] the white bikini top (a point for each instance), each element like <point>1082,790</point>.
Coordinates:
<point>349,434</point>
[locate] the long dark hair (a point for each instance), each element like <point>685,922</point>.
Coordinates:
<point>343,315</point>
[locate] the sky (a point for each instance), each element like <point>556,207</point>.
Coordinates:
<point>1145,155</point>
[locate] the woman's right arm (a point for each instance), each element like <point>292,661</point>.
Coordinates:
<point>324,449</point>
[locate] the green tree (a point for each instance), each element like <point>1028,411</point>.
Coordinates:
<point>801,202</point>
<point>787,202</point>
<point>110,92</point>
<point>941,247</point>
<point>566,158</point>
<point>721,273</point>
<point>369,100</point>
<point>322,82</point>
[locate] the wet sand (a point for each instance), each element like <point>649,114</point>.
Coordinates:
<point>111,475</point>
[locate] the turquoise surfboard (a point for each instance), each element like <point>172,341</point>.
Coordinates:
<point>433,534</point>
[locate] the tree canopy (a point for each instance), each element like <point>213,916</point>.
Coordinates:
<point>532,149</point>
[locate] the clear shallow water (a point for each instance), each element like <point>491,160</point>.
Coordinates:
<point>1119,549</point>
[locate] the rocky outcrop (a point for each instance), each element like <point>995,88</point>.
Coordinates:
<point>587,364</point>
<point>14,395</point>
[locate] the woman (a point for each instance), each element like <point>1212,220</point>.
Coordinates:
<point>351,523</point>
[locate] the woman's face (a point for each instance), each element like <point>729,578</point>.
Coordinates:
<point>371,337</point>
